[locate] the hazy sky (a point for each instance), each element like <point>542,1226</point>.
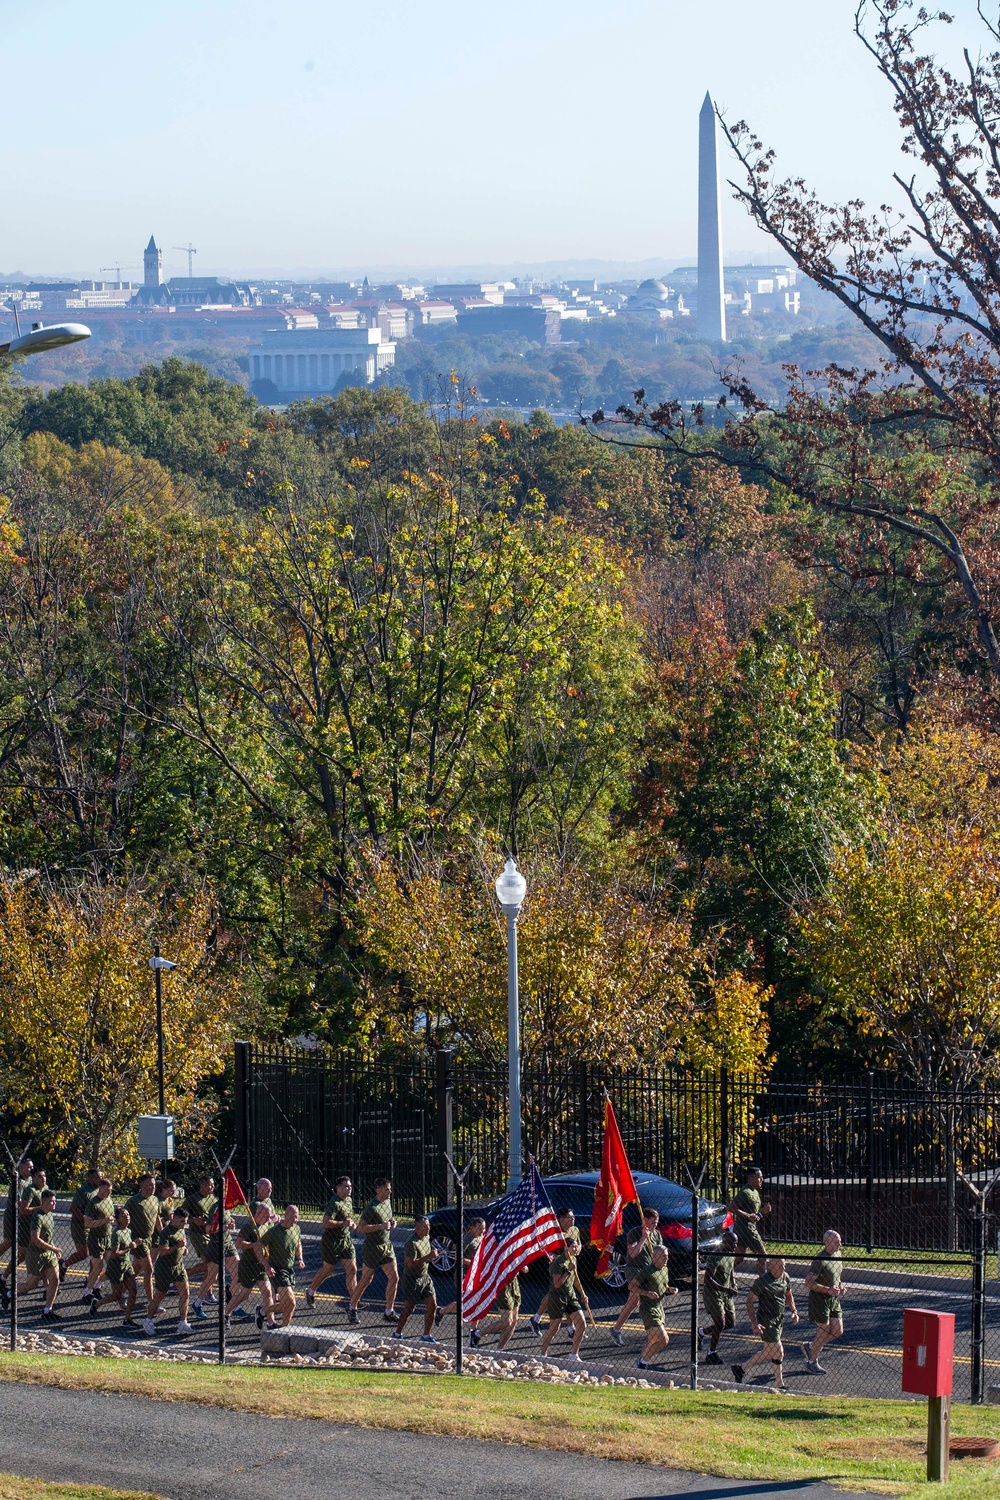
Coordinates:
<point>411,133</point>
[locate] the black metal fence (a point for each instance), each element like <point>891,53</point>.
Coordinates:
<point>885,1162</point>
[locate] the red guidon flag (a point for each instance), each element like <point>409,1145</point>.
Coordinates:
<point>232,1198</point>
<point>614,1189</point>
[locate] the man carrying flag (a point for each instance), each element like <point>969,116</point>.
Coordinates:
<point>232,1197</point>
<point>525,1229</point>
<point>615,1189</point>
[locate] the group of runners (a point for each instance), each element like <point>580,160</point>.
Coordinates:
<point>147,1243</point>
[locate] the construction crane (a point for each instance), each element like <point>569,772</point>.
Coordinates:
<point>118,270</point>
<point>190,252</point>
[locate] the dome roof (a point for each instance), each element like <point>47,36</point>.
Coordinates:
<point>654,287</point>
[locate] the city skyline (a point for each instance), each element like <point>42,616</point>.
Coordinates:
<point>332,143</point>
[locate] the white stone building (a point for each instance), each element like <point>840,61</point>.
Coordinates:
<point>307,362</point>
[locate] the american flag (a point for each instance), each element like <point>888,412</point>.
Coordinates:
<point>525,1228</point>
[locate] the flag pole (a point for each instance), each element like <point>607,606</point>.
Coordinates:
<point>221,1231</point>
<point>459,1178</point>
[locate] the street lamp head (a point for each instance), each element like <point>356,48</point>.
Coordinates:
<point>511,887</point>
<point>161,963</point>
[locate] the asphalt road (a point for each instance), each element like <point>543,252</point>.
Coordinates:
<point>189,1452</point>
<point>865,1362</point>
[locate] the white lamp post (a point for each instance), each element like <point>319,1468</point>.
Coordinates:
<point>42,336</point>
<point>511,887</point>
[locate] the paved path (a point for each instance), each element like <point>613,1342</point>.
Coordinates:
<point>191,1452</point>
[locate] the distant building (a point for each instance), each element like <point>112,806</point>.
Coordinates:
<point>711,293</point>
<point>297,364</point>
<point>540,324</point>
<point>189,292</point>
<point>487,291</point>
<point>152,264</point>
<point>432,313</point>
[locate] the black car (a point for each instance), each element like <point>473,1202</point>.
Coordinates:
<point>575,1190</point>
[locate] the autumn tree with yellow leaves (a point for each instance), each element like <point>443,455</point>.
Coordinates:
<point>78,1044</point>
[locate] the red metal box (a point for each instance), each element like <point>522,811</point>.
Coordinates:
<point>928,1352</point>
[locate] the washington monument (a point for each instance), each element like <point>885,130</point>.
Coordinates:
<point>711,294</point>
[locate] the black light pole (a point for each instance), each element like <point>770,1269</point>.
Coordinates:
<point>158,964</point>
<point>695,1267</point>
<point>13,1202</point>
<point>222,1170</point>
<point>459,1268</point>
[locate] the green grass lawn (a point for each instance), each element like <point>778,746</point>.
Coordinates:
<point>875,1445</point>
<point>14,1487</point>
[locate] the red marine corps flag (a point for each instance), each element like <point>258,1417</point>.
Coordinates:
<point>614,1189</point>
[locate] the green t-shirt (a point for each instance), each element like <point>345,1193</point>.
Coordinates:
<point>256,1203</point>
<point>43,1225</point>
<point>30,1199</point>
<point>771,1292</point>
<point>102,1208</point>
<point>827,1270</point>
<point>378,1213</point>
<point>175,1242</point>
<point>282,1245</point>
<point>574,1243</point>
<point>31,1196</point>
<point>120,1265</point>
<point>653,1279</point>
<point>81,1201</point>
<point>562,1264</point>
<point>747,1200</point>
<point>417,1275</point>
<point>198,1207</point>
<point>143,1213</point>
<point>340,1210</point>
<point>644,1260</point>
<point>719,1270</point>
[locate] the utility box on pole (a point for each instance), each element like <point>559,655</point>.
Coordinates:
<point>928,1370</point>
<point>156,1137</point>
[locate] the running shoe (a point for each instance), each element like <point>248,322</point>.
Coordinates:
<point>49,1315</point>
<point>738,1373</point>
<point>428,1338</point>
<point>641,1364</point>
<point>616,1338</point>
<point>210,1298</point>
<point>573,1359</point>
<point>702,1336</point>
<point>149,1327</point>
<point>474,1337</point>
<point>239,1315</point>
<point>712,1358</point>
<point>310,1298</point>
<point>438,1315</point>
<point>814,1367</point>
<point>95,1303</point>
<point>62,1268</point>
<point>352,1315</point>
<point>183,1326</point>
<point>87,1295</point>
<point>258,1317</point>
<point>535,1324</point>
<point>200,1312</point>
<point>129,1323</point>
<point>389,1316</point>
<point>807,1353</point>
<point>396,1335</point>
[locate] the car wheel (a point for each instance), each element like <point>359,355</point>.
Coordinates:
<point>445,1247</point>
<point>616,1278</point>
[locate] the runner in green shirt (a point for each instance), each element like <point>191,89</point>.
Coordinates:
<point>31,1196</point>
<point>200,1207</point>
<point>337,1246</point>
<point>718,1295</point>
<point>143,1211</point>
<point>98,1220</point>
<point>823,1284</point>
<point>205,1292</point>
<point>418,1257</point>
<point>169,1271</point>
<point>653,1284</point>
<point>24,1171</point>
<point>41,1255</point>
<point>474,1231</point>
<point>376,1224</point>
<point>639,1246</point>
<point>122,1286</point>
<point>282,1244</point>
<point>562,1305</point>
<point>251,1274</point>
<point>80,1205</point>
<point>262,1199</point>
<point>748,1213</point>
<point>766,1303</point>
